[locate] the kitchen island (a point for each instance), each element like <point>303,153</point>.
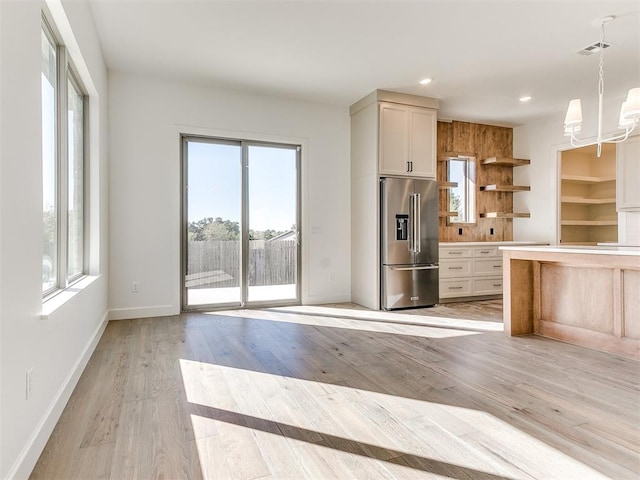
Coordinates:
<point>587,296</point>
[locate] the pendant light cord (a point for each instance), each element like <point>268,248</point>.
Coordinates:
<point>600,88</point>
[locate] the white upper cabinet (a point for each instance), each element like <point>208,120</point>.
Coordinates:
<point>407,140</point>
<point>628,173</point>
<point>394,139</point>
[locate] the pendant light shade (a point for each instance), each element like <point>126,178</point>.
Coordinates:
<point>631,108</point>
<point>574,113</point>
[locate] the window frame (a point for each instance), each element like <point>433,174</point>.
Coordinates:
<point>77,84</point>
<point>66,73</point>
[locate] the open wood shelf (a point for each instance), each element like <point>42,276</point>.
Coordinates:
<point>504,215</point>
<point>446,156</point>
<point>505,188</point>
<point>589,223</point>
<point>586,179</point>
<point>443,185</point>
<point>506,162</point>
<point>588,201</point>
<point>447,214</point>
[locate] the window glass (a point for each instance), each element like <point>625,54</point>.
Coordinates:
<point>49,167</point>
<point>75,182</point>
<point>461,172</point>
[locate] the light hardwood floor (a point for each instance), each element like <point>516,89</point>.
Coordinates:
<point>341,392</point>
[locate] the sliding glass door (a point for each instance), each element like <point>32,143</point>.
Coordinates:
<point>240,228</point>
<point>214,212</point>
<point>273,225</point>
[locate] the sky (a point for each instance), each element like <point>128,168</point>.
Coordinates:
<point>214,184</point>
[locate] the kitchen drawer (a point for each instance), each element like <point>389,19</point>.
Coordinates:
<point>455,288</point>
<point>455,252</point>
<point>486,252</point>
<point>487,286</point>
<point>489,266</point>
<point>454,268</point>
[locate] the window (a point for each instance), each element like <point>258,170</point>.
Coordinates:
<point>49,163</point>
<point>63,168</point>
<point>461,171</point>
<point>75,182</point>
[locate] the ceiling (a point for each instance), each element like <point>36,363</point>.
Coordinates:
<point>482,55</point>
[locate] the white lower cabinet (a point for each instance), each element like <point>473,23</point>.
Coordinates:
<point>454,287</point>
<point>487,285</point>
<point>470,271</point>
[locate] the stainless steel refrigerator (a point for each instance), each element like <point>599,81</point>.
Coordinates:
<point>408,243</point>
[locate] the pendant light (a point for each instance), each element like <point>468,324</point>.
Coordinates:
<point>629,112</point>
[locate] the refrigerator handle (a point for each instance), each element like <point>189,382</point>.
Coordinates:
<point>412,222</point>
<point>424,267</point>
<point>414,212</point>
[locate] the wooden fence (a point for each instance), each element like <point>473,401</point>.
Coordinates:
<point>216,263</point>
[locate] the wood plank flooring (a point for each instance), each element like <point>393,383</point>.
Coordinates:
<point>337,391</point>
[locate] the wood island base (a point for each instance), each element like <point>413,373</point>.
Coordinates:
<point>588,297</point>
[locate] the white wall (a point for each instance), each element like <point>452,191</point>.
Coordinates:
<point>146,117</point>
<point>540,141</point>
<point>58,347</point>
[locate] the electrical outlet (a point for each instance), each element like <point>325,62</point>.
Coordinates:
<point>491,231</point>
<point>29,383</point>
<point>459,231</point>
<point>135,287</point>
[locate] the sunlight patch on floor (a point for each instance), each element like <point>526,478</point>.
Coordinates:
<point>375,325</point>
<point>408,316</point>
<point>255,423</point>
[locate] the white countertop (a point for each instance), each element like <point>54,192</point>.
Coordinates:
<point>591,250</point>
<point>482,244</point>
<point>613,244</point>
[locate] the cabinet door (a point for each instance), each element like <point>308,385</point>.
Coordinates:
<point>422,142</point>
<point>394,139</point>
<point>628,163</point>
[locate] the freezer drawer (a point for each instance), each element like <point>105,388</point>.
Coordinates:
<point>409,286</point>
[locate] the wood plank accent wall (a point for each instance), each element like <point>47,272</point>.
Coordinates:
<point>485,141</point>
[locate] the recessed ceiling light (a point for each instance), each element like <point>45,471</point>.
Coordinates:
<point>524,99</point>
<point>426,81</point>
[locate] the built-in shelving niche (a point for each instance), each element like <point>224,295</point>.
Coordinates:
<point>588,196</point>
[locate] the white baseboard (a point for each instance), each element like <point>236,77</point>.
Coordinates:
<point>27,459</point>
<point>143,312</point>
<point>322,299</point>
